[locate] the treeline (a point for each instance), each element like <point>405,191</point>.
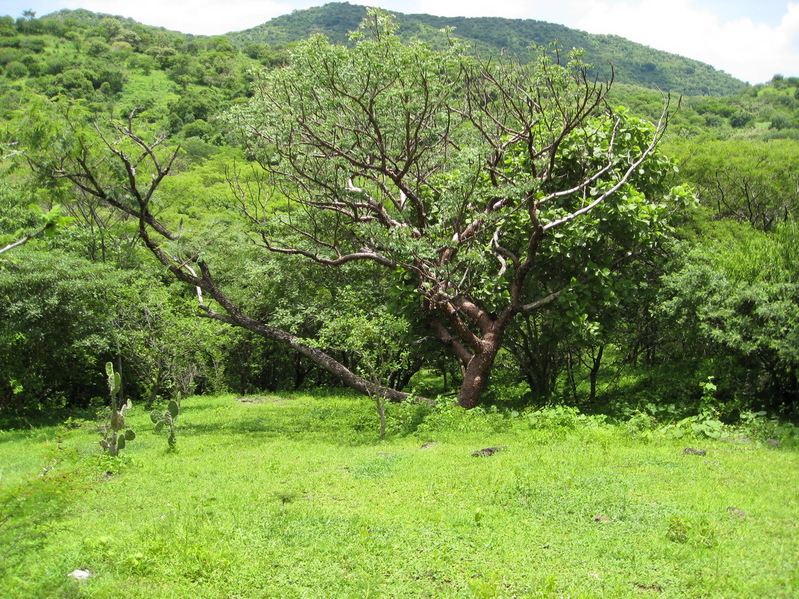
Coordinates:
<point>706,320</point>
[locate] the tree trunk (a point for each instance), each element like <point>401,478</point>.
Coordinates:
<point>475,375</point>
<point>234,316</point>
<point>596,363</point>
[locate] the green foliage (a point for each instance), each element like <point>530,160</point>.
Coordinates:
<point>47,223</point>
<point>56,327</point>
<point>169,352</point>
<point>376,339</point>
<point>554,418</point>
<point>762,428</point>
<point>429,215</point>
<point>728,311</point>
<point>745,180</point>
<point>737,295</point>
<point>447,419</point>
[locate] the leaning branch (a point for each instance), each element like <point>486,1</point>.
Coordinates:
<point>659,131</point>
<point>190,269</point>
<point>22,241</point>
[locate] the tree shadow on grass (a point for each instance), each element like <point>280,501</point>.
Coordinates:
<point>325,416</point>
<point>31,513</point>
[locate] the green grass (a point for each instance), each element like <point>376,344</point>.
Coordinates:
<point>296,497</point>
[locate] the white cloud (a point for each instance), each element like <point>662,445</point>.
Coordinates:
<point>746,49</point>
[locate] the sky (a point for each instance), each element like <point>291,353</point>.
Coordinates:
<point>750,39</point>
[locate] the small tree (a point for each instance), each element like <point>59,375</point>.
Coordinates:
<point>733,303</point>
<point>376,341</point>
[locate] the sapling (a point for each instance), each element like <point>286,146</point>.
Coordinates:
<point>168,420</point>
<point>116,434</point>
<point>376,339</point>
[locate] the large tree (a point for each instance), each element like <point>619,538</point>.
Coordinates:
<point>487,188</point>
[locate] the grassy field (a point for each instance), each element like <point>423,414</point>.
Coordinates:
<point>295,496</point>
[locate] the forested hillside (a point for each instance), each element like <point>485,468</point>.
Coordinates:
<point>262,211</point>
<point>631,63</point>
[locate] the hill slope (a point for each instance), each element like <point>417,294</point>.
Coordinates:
<point>633,63</point>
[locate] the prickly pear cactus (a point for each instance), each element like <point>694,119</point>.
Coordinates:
<point>114,380</point>
<point>116,434</point>
<point>167,420</point>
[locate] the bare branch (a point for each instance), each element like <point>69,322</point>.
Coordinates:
<point>22,241</point>
<point>659,131</point>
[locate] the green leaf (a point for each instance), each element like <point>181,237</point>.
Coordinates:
<point>173,409</point>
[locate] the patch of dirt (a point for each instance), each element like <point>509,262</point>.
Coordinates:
<point>602,518</point>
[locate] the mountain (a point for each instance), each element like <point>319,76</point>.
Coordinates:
<point>633,63</point>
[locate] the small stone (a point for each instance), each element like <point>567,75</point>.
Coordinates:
<point>487,451</point>
<point>602,518</point>
<point>693,451</point>
<point>79,574</point>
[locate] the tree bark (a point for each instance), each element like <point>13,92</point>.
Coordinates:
<point>478,369</point>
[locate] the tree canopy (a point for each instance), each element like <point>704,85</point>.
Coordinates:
<point>485,188</point>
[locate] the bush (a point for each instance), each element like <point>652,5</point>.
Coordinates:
<point>16,70</point>
<point>556,417</point>
<point>447,417</point>
<point>56,330</point>
<point>405,418</point>
<point>560,420</point>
